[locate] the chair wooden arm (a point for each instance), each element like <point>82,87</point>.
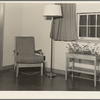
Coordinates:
<point>39,51</point>
<point>15,52</point>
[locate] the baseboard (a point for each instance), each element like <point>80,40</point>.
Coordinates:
<point>78,75</point>
<point>7,67</point>
<point>55,71</point>
<point>46,69</point>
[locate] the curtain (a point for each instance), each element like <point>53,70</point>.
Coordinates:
<point>65,27</point>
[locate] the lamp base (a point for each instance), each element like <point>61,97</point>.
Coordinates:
<point>50,75</point>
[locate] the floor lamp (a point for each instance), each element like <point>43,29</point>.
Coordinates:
<point>52,11</point>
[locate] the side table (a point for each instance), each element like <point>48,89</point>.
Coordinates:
<point>80,70</point>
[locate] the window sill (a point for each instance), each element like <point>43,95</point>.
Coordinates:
<point>89,40</point>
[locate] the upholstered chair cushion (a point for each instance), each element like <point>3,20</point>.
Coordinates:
<point>29,59</point>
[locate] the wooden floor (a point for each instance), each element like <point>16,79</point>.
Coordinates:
<point>34,82</point>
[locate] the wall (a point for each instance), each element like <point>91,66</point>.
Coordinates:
<point>34,24</point>
<point>1,32</point>
<point>27,19</point>
<point>12,28</point>
<point>88,7</point>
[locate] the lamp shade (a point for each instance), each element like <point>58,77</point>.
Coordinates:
<point>52,10</point>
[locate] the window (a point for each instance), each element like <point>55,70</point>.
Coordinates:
<point>89,26</point>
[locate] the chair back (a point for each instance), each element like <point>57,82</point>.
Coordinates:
<point>25,45</point>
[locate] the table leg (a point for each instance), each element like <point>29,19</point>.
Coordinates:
<point>17,70</point>
<point>95,73</point>
<point>67,65</point>
<point>72,67</point>
<point>99,69</point>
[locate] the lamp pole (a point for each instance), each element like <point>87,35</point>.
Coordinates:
<point>52,11</point>
<point>51,74</point>
<point>51,46</point>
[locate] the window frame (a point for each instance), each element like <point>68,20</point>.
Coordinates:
<point>78,25</point>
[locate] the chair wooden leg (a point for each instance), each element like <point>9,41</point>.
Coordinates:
<point>17,70</point>
<point>14,63</point>
<point>14,66</point>
<point>41,69</point>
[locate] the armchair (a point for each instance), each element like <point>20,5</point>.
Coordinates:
<point>25,53</point>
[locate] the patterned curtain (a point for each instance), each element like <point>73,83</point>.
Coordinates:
<point>65,27</point>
